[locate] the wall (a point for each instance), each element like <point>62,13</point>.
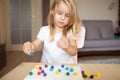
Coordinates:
<point>36,6</point>
<point>99,10</point>
<point>2,22</point>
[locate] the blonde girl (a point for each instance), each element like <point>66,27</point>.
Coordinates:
<point>59,38</point>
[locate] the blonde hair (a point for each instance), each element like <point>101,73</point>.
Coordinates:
<point>74,23</point>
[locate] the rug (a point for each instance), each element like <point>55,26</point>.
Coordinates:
<point>99,60</point>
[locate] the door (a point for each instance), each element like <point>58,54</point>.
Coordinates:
<point>20,23</point>
<point>24,22</point>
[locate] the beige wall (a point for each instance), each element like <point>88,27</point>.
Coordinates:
<point>36,10</point>
<point>2,22</point>
<point>99,10</point>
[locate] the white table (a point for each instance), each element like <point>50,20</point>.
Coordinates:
<point>107,71</point>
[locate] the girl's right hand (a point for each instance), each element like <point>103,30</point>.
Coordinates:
<point>27,47</point>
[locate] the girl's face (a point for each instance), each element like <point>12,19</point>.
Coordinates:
<point>62,15</point>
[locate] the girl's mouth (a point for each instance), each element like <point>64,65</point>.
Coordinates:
<point>61,23</point>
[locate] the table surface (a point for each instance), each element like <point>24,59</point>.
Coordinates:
<point>107,71</point>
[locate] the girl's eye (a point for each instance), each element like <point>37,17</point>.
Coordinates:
<point>67,15</point>
<point>59,13</point>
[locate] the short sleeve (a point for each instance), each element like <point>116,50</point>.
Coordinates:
<point>71,35</point>
<point>81,37</point>
<point>40,35</point>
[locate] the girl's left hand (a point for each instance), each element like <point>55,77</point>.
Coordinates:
<point>63,43</point>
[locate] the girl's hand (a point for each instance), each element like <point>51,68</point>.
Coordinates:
<point>63,43</point>
<point>27,47</point>
<point>68,45</point>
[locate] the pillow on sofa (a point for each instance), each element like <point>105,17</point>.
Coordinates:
<point>92,31</point>
<point>106,30</point>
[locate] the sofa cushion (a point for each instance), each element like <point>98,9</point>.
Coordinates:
<point>102,43</point>
<point>106,30</point>
<point>92,30</point>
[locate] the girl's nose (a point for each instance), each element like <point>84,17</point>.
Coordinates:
<point>63,17</point>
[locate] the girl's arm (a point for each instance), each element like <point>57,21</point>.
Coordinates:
<point>37,43</point>
<point>32,46</point>
<point>70,46</point>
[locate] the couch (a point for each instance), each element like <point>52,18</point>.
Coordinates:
<point>99,36</point>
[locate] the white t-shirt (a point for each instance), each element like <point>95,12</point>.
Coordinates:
<point>51,52</point>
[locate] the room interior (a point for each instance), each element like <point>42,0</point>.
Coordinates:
<point>20,20</point>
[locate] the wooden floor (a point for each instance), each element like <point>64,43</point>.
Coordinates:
<point>14,58</point>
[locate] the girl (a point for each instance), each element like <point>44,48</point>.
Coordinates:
<point>59,37</point>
